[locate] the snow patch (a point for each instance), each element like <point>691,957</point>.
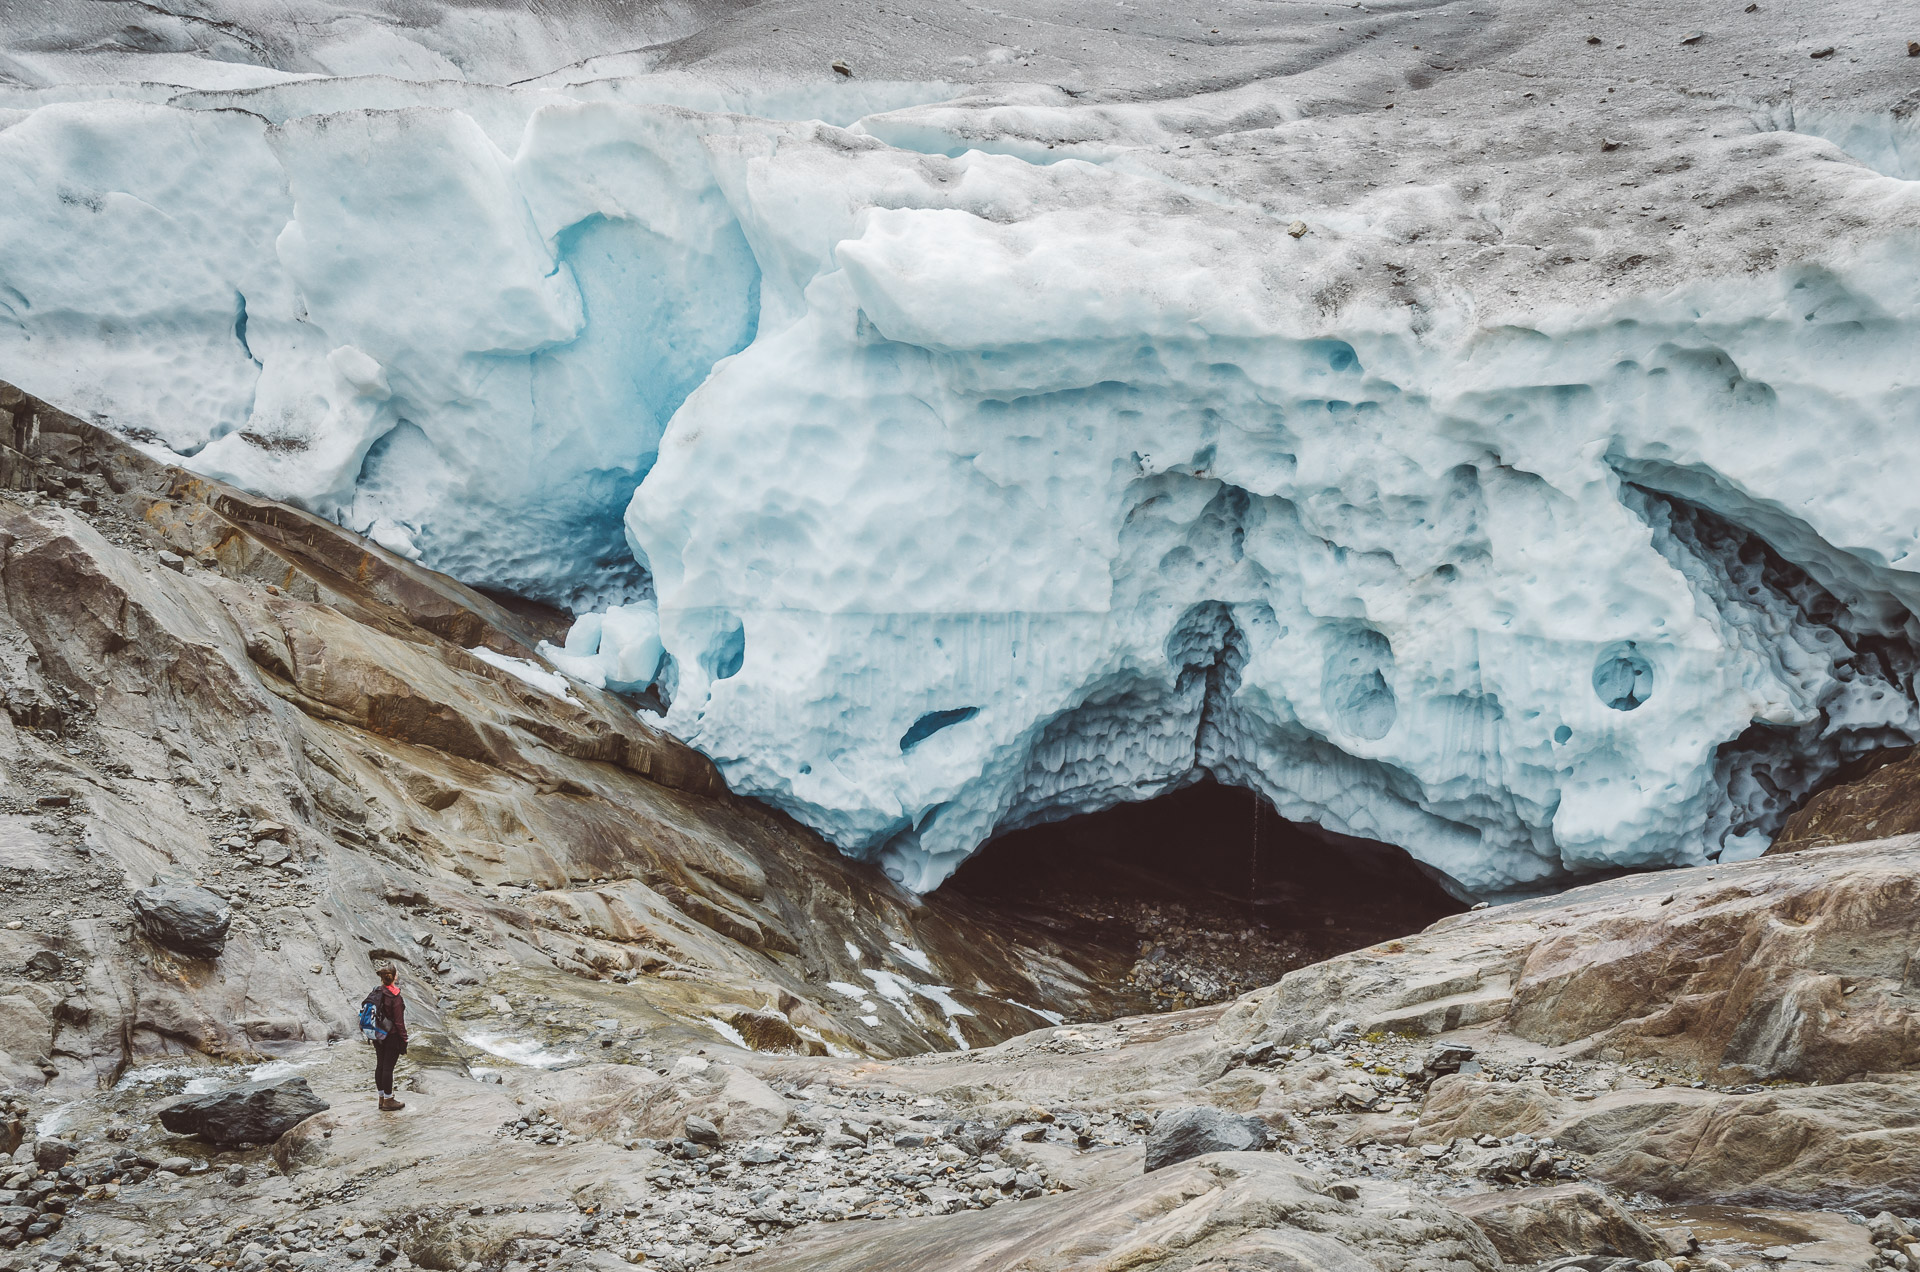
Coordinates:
<point>526,670</point>
<point>726,1030</point>
<point>912,955</point>
<point>1051,1017</point>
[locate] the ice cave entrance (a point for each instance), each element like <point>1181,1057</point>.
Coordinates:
<point>1208,889</point>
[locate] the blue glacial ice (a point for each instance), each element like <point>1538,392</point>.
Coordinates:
<point>944,479</point>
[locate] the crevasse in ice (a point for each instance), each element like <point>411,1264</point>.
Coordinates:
<point>940,491</point>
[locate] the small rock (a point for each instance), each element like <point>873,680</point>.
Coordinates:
<point>1447,1057</point>
<point>1777,1254</point>
<point>1189,1132</point>
<point>1297,230</point>
<point>701,1131</point>
<point>55,801</point>
<point>1355,1096</point>
<point>1817,54</point>
<point>46,962</point>
<point>1692,37</point>
<point>52,1154</point>
<point>266,830</point>
<point>1608,143</point>
<point>977,1137</point>
<point>1913,48</point>
<point>841,68</point>
<point>178,1165</point>
<point>1344,1191</point>
<point>173,560</point>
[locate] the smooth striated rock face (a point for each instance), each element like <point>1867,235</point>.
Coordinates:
<point>1790,968</point>
<point>253,1113</point>
<point>1535,1224</point>
<point>1850,1144</point>
<point>1192,1132</point>
<point>1876,798</point>
<point>189,920</point>
<point>1224,1211</point>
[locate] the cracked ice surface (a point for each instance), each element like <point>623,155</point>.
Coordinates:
<point>969,444</point>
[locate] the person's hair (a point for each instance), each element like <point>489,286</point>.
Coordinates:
<point>387,973</point>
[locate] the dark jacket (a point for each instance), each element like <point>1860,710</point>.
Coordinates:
<point>397,1008</point>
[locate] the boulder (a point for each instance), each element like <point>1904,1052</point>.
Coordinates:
<point>1532,1225</point>
<point>1179,1134</point>
<point>748,1108</point>
<point>185,919</point>
<point>701,1131</point>
<point>253,1113</point>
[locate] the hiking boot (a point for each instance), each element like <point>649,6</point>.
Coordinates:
<point>390,1105</point>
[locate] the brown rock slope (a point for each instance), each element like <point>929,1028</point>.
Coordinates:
<point>1873,798</point>
<point>205,687</point>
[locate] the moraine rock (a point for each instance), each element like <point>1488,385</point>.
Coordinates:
<point>1179,1134</point>
<point>254,1113</point>
<point>187,920</point>
<point>1535,1224</point>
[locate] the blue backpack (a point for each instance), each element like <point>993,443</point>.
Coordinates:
<point>376,1020</point>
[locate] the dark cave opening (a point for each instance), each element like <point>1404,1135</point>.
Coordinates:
<point>1205,892</point>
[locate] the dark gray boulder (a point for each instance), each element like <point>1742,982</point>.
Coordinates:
<point>977,1138</point>
<point>254,1113</point>
<point>1179,1134</point>
<point>185,919</point>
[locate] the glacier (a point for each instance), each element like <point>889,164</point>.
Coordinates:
<point>1515,477</point>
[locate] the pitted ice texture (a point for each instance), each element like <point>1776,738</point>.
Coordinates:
<point>968,442</point>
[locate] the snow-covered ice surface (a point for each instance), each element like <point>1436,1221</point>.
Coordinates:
<point>968,443</point>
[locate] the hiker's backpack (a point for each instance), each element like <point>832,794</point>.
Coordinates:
<point>376,1018</point>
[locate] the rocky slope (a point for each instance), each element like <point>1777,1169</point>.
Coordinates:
<point>1697,1070</point>
<point>204,689</point>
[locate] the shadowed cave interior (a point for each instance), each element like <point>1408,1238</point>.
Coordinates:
<point>1208,889</point>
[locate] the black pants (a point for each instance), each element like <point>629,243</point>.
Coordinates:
<point>384,1056</point>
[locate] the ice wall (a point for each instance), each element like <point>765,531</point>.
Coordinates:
<point>941,491</point>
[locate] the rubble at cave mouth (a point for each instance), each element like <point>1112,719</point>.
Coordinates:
<point>1207,890</point>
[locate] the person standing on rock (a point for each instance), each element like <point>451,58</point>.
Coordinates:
<point>383,1022</point>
